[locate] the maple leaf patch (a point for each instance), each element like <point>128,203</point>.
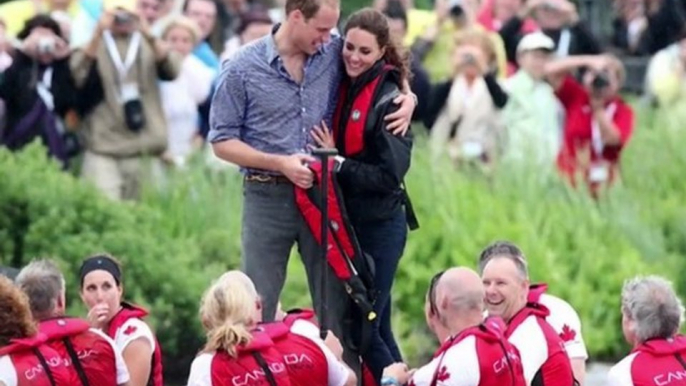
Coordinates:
<point>130,330</point>
<point>443,374</point>
<point>567,334</point>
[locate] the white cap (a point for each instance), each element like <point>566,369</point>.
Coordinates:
<point>536,41</point>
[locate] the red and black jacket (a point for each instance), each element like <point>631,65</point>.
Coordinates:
<point>376,161</point>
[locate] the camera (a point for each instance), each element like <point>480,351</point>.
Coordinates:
<point>469,59</point>
<point>122,18</point>
<point>601,81</point>
<point>456,10</point>
<point>46,45</point>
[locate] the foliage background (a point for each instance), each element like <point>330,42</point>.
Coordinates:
<point>185,233</point>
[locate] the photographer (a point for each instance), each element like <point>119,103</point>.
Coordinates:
<point>598,123</point>
<point>437,43</point>
<point>38,88</point>
<point>464,114</point>
<point>559,20</point>
<point>119,70</point>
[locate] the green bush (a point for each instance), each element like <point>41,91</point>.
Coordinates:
<point>47,213</point>
<point>186,233</point>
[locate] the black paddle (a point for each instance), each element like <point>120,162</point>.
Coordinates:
<point>324,155</point>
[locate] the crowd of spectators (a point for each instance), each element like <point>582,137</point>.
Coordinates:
<point>123,88</point>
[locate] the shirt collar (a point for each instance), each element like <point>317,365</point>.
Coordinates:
<point>273,52</point>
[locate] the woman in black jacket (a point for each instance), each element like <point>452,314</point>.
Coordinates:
<point>373,163</point>
<point>38,88</point>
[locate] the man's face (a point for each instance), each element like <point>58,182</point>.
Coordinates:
<point>125,23</point>
<point>204,13</point>
<point>549,17</point>
<point>398,29</point>
<point>149,10</point>
<point>309,35</point>
<point>534,62</point>
<point>506,289</point>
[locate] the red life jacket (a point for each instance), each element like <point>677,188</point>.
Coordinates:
<point>258,363</point>
<point>130,311</point>
<point>535,292</point>
<point>347,260</point>
<point>91,356</point>
<point>658,362</point>
<point>35,363</point>
<point>300,314</point>
<point>349,135</point>
<point>499,361</point>
<point>556,369</point>
<point>308,315</point>
<point>306,362</point>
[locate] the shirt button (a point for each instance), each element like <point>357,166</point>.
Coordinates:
<point>303,109</point>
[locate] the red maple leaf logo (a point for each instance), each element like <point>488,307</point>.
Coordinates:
<point>567,334</point>
<point>130,330</point>
<point>443,374</point>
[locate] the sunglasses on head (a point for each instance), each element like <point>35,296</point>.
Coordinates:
<point>432,293</point>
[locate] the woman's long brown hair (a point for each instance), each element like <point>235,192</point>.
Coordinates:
<point>16,321</point>
<point>375,22</point>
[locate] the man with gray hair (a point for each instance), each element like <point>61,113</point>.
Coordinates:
<point>563,318</point>
<point>472,352</point>
<point>94,358</point>
<point>652,315</point>
<point>506,281</point>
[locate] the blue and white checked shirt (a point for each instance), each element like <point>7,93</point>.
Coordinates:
<point>258,102</point>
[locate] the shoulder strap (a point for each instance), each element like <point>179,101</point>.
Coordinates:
<point>45,365</point>
<point>681,360</point>
<point>75,361</point>
<point>263,364</point>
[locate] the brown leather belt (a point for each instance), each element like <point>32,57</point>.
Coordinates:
<point>267,179</point>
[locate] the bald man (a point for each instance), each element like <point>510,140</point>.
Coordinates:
<point>473,352</point>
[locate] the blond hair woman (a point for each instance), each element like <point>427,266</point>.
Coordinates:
<point>242,350</point>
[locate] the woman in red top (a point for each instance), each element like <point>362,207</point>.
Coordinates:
<point>102,292</point>
<point>598,123</point>
<point>240,351</point>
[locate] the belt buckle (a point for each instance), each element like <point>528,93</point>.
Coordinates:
<point>260,178</point>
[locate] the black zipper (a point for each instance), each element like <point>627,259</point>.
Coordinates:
<point>344,117</point>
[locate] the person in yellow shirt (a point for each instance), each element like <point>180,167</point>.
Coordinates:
<point>433,33</point>
<point>15,13</point>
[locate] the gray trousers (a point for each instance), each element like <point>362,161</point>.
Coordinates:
<point>272,223</point>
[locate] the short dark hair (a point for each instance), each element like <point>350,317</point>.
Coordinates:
<point>258,16</point>
<point>308,8</point>
<point>395,11</point>
<point>37,21</point>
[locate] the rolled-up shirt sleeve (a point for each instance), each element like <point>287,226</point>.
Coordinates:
<point>227,114</point>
